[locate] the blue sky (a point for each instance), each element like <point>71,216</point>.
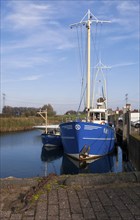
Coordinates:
<point>39,58</point>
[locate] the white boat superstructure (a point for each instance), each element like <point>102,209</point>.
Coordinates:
<point>44,127</point>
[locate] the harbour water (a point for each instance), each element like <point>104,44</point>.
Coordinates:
<point>22,155</point>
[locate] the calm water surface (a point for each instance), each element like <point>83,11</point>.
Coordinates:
<point>23,155</point>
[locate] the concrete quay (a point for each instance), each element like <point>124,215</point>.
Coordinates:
<point>71,197</point>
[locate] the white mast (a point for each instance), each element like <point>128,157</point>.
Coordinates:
<point>88,68</point>
<point>88,24</point>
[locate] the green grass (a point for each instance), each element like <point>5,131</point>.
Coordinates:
<point>18,123</point>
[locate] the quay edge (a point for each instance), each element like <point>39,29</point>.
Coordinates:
<point>79,179</point>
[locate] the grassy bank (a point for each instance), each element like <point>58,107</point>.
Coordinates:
<point>11,124</point>
<point>18,123</point>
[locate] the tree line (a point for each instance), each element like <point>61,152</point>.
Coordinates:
<point>27,111</point>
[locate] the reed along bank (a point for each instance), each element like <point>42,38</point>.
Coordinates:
<point>13,124</point>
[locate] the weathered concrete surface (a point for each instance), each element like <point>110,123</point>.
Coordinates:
<point>96,179</point>
<point>92,196</point>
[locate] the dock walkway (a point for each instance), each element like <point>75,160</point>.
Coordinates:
<point>72,197</point>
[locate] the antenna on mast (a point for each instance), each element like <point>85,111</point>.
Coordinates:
<point>100,67</point>
<point>90,17</point>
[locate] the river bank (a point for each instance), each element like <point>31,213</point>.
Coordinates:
<point>14,124</point>
<point>20,123</point>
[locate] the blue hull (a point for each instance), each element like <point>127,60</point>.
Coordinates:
<point>51,140</point>
<point>80,138</point>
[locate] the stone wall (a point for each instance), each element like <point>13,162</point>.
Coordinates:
<point>134,152</point>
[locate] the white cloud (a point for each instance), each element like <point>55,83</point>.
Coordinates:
<point>124,16</point>
<point>123,36</point>
<point>128,7</point>
<point>30,78</point>
<point>124,7</point>
<point>26,78</point>
<point>23,61</point>
<point>123,64</point>
<point>34,25</point>
<point>26,14</point>
<point>61,59</point>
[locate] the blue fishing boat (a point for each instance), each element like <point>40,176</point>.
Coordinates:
<point>93,137</point>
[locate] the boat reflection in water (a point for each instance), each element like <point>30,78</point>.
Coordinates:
<point>50,155</point>
<point>105,164</point>
<point>55,161</point>
<point>52,159</point>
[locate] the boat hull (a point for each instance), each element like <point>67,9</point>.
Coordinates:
<point>86,140</point>
<point>51,140</point>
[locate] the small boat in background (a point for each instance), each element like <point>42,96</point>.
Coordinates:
<point>52,138</point>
